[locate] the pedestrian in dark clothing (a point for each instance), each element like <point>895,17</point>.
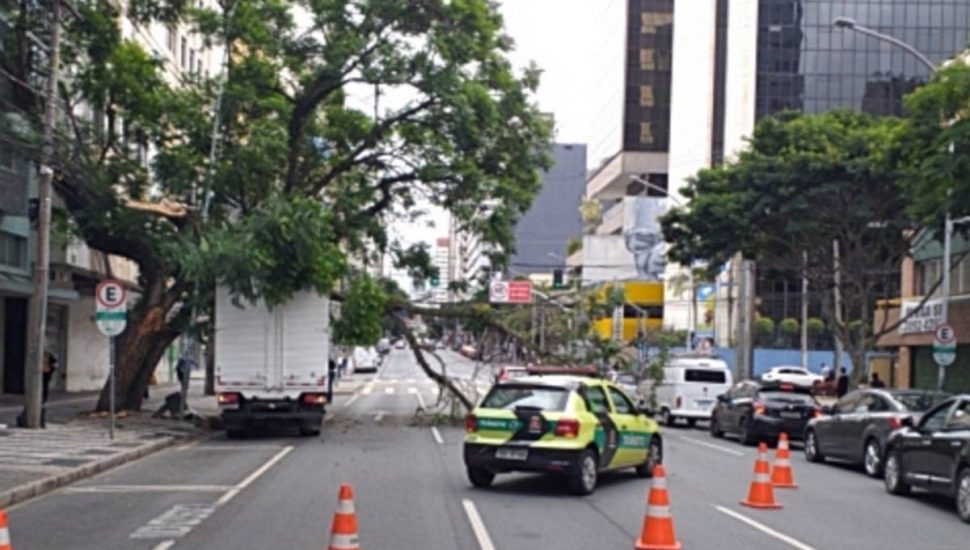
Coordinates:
<point>876,382</point>
<point>50,365</point>
<point>842,384</point>
<point>332,374</point>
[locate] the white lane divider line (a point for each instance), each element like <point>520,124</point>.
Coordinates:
<point>421,403</point>
<point>764,528</point>
<point>368,388</point>
<point>721,448</point>
<point>165,545</point>
<point>350,401</point>
<point>379,416</point>
<point>148,489</point>
<point>412,390</point>
<point>389,390</point>
<point>478,526</point>
<point>253,476</point>
<point>437,435</point>
<point>175,522</point>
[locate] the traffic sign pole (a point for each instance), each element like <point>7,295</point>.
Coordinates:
<point>111,397</point>
<point>112,318</point>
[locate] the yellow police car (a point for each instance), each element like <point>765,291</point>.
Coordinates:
<point>570,425</point>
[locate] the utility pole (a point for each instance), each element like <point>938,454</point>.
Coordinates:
<point>37,325</point>
<point>804,325</point>
<point>837,300</point>
<point>742,350</point>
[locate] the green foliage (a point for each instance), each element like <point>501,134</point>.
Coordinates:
<point>574,245</point>
<point>936,145</point>
<point>361,312</point>
<point>815,326</point>
<point>789,328</point>
<point>764,330</point>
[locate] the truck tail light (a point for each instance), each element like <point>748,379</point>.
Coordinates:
<point>895,422</point>
<point>567,427</point>
<point>314,398</point>
<point>679,401</point>
<point>817,413</point>
<point>229,398</point>
<point>759,408</point>
<point>471,424</point>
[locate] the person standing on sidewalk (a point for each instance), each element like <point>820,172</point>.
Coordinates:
<point>842,384</point>
<point>332,374</point>
<point>183,370</point>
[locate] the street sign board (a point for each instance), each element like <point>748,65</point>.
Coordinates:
<point>510,292</point>
<point>944,345</point>
<point>111,314</point>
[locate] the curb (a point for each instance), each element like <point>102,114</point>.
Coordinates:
<point>43,486</point>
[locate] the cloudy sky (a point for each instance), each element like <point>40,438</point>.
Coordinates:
<point>578,44</point>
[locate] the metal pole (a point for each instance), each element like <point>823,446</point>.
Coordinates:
<point>837,299</point>
<point>741,354</point>
<point>542,329</point>
<point>804,326</point>
<point>37,326</point>
<point>691,314</point>
<point>111,376</point>
<point>945,296</point>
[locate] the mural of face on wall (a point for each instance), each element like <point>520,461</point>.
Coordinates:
<point>643,238</point>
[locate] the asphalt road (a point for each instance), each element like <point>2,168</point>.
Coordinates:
<point>279,491</point>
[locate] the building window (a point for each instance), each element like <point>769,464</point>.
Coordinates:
<point>646,96</point>
<point>185,52</point>
<point>171,38</point>
<point>192,65</point>
<point>13,251</point>
<point>928,273</point>
<point>961,277</point>
<point>647,60</point>
<point>646,132</point>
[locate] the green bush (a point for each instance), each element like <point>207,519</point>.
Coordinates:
<point>764,331</point>
<point>789,328</point>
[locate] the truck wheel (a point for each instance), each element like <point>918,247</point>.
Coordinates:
<point>480,477</point>
<point>236,434</point>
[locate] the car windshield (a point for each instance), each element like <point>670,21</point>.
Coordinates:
<point>705,375</point>
<point>544,398</point>
<point>787,397</point>
<point>919,401</point>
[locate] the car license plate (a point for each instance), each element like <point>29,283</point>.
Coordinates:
<point>512,454</point>
<point>791,414</point>
<point>703,403</point>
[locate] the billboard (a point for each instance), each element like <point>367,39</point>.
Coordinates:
<point>638,252</point>
<point>510,292</point>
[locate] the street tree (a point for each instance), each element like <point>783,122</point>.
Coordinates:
<point>304,174</point>
<point>823,185</point>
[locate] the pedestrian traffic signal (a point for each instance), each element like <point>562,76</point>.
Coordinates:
<point>434,281</point>
<point>557,281</point>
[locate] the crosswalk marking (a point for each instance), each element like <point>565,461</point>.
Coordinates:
<point>412,390</point>
<point>389,390</point>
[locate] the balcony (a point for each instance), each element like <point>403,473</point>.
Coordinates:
<point>612,220</point>
<point>611,180</point>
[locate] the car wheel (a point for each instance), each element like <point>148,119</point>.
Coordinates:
<point>655,456</point>
<point>812,454</point>
<point>480,477</point>
<point>716,430</point>
<point>872,458</point>
<point>583,479</point>
<point>893,475</point>
<point>963,494</point>
<point>745,435</point>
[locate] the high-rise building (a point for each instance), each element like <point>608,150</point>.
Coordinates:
<point>542,236</point>
<point>738,61</point>
<point>441,257</point>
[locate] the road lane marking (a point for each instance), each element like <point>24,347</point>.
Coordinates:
<point>175,522</point>
<point>253,476</point>
<point>421,401</point>
<point>764,528</point>
<point>389,390</point>
<point>379,416</point>
<point>412,390</point>
<point>368,388</point>
<point>148,489</point>
<point>711,446</point>
<point>437,435</point>
<point>351,400</point>
<point>478,526</point>
<point>165,545</point>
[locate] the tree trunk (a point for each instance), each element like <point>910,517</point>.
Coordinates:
<point>210,365</point>
<point>143,344</point>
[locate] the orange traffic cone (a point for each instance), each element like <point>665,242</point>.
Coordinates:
<point>5,543</point>
<point>781,474</point>
<point>658,525</point>
<point>761,495</point>
<point>343,534</point>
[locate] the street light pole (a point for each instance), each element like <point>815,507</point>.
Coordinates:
<point>849,24</point>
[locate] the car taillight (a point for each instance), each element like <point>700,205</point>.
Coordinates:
<point>228,398</point>
<point>759,408</point>
<point>895,422</point>
<point>314,398</point>
<point>817,413</point>
<point>471,424</point>
<point>567,427</point>
<point>678,401</point>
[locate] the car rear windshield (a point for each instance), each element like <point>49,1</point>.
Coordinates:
<point>919,401</point>
<point>518,396</point>
<point>787,397</point>
<point>705,375</point>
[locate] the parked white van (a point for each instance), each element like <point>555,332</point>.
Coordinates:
<point>690,388</point>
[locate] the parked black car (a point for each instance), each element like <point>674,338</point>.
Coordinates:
<point>758,411</point>
<point>857,427</point>
<point>933,454</point>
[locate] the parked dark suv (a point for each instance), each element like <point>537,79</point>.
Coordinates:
<point>933,454</point>
<point>857,427</point>
<point>758,411</point>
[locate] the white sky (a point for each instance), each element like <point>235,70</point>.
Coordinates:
<point>578,44</point>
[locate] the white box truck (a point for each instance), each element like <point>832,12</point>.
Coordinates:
<point>271,364</point>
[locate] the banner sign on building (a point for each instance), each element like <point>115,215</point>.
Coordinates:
<point>510,292</point>
<point>920,319</point>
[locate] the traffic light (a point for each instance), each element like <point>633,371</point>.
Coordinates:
<point>435,281</point>
<point>557,282</point>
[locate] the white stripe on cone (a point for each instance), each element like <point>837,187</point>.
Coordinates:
<point>345,507</point>
<point>4,537</point>
<point>659,483</point>
<point>656,511</point>
<point>762,478</point>
<point>345,542</point>
<point>782,462</point>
